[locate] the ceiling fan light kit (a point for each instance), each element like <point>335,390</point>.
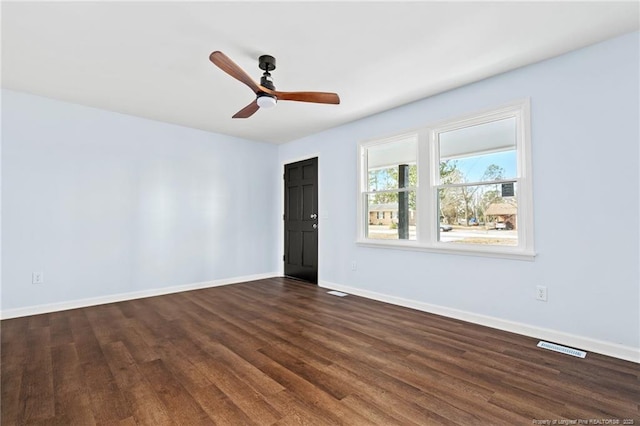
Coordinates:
<point>266,101</point>
<point>266,94</point>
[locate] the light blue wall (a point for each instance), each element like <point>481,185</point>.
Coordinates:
<point>585,141</point>
<point>105,203</point>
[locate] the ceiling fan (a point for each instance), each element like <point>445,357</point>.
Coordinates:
<point>266,94</point>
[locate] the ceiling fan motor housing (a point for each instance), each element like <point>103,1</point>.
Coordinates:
<point>267,63</point>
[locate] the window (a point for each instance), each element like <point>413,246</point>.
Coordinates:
<point>390,187</point>
<point>460,186</point>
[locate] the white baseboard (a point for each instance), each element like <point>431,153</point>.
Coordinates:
<point>83,303</point>
<point>627,353</point>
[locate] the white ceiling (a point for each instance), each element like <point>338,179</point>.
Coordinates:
<point>151,59</point>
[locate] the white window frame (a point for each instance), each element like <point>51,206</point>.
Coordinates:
<point>363,184</point>
<point>428,179</point>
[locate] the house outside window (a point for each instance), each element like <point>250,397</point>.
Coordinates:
<point>459,186</point>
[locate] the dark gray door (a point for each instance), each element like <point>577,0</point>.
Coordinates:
<point>301,220</point>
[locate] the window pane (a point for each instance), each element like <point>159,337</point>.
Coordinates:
<point>479,214</point>
<point>388,219</point>
<point>385,161</point>
<point>479,153</point>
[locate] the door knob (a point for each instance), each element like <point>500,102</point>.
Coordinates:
<point>315,226</point>
<point>314,216</point>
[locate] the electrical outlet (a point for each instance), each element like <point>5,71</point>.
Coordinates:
<point>37,278</point>
<point>354,265</point>
<point>541,293</point>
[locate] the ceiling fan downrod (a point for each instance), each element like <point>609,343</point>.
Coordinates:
<point>267,63</point>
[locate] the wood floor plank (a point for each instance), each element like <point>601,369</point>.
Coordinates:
<point>13,354</point>
<point>247,372</point>
<point>250,401</point>
<point>180,361</point>
<point>73,408</point>
<point>72,403</point>
<point>107,402</point>
<point>221,410</point>
<point>60,329</point>
<point>143,400</point>
<point>373,413</point>
<point>330,407</point>
<point>297,410</point>
<point>36,387</point>
<point>380,390</point>
<point>303,367</point>
<point>281,352</point>
<point>181,406</point>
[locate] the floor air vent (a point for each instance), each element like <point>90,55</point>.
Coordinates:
<point>562,349</point>
<point>337,293</point>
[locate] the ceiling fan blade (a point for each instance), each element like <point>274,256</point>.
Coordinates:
<point>223,62</point>
<point>247,111</point>
<point>315,97</point>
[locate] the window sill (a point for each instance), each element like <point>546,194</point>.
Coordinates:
<point>495,252</point>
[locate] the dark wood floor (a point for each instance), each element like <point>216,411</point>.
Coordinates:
<point>280,352</point>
